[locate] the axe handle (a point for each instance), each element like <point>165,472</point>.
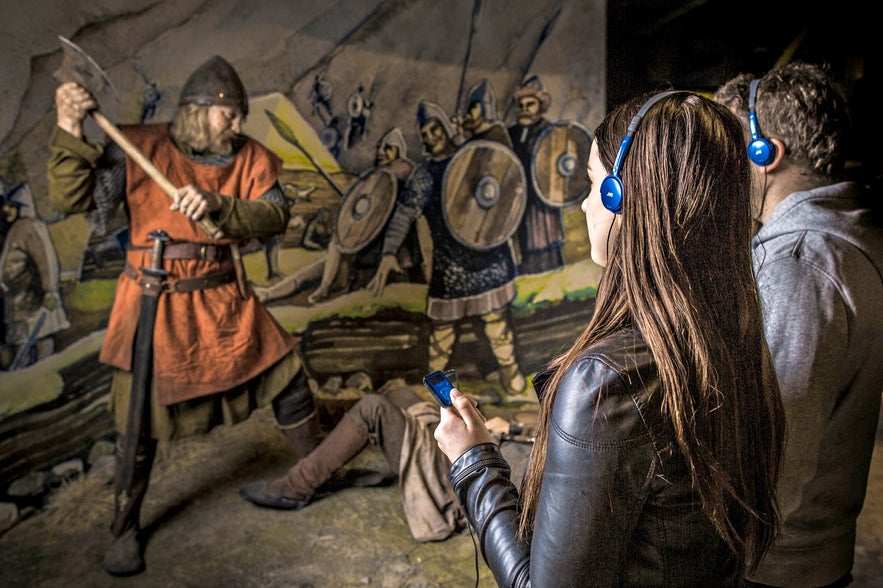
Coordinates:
<point>213,230</point>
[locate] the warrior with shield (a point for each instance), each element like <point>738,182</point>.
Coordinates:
<point>553,155</point>
<point>473,271</point>
<point>358,230</point>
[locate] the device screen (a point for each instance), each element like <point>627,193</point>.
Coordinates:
<point>439,386</point>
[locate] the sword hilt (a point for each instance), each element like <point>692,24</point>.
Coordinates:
<point>159,240</point>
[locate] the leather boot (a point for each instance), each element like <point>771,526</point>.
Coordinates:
<point>304,436</point>
<point>299,486</point>
<point>355,478</point>
<point>124,556</point>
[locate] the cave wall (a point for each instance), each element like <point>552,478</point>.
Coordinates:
<point>408,50</point>
<point>398,52</point>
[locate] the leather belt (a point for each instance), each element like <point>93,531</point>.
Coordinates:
<point>208,280</point>
<point>186,250</point>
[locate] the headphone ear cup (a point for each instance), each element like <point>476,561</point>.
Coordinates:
<point>611,193</point>
<point>761,152</point>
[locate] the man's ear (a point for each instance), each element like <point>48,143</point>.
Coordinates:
<point>780,154</point>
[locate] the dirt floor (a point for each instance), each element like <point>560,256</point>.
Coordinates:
<point>202,535</point>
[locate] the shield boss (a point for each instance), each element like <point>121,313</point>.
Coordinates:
<point>364,210</point>
<point>484,194</point>
<point>559,162</point>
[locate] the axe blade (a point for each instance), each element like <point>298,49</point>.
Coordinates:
<point>78,67</point>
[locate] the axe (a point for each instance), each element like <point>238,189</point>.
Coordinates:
<point>78,67</point>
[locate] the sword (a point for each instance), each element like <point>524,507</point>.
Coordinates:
<point>139,408</point>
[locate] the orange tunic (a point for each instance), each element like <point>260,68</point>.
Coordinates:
<point>206,341</point>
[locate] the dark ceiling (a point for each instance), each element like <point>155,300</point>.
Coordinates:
<point>699,44</point>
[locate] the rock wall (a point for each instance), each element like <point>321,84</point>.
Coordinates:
<point>316,56</point>
<point>403,50</point>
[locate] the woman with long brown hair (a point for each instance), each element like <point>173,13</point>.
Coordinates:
<point>661,428</point>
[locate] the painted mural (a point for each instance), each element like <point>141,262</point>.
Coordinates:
<point>341,94</point>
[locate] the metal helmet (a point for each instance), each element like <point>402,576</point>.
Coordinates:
<point>215,82</point>
<point>483,93</point>
<point>534,87</point>
<point>394,138</point>
<point>427,111</point>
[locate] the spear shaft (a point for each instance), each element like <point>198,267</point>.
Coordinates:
<point>547,30</point>
<point>476,18</point>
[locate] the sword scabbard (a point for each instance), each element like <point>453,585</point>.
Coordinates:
<point>138,417</point>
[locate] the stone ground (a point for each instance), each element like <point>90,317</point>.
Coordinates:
<point>201,534</point>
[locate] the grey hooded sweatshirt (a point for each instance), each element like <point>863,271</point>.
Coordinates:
<point>819,267</point>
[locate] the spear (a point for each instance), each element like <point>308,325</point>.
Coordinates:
<point>286,133</point>
<point>547,30</point>
<point>476,18</point>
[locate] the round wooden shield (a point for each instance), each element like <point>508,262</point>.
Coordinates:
<point>484,194</point>
<point>559,164</point>
<point>364,210</point>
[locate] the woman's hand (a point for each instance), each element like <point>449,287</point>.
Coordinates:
<point>462,426</point>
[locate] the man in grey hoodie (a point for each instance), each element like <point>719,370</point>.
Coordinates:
<point>818,259</point>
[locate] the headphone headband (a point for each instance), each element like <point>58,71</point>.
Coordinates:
<point>611,186</point>
<point>760,151</point>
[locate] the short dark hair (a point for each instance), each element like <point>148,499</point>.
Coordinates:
<point>798,104</point>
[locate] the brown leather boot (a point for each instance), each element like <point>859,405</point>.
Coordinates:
<point>123,556</point>
<point>298,487</point>
<point>304,436</point>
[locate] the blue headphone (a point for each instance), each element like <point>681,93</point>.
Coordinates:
<point>611,186</point>
<point>760,150</point>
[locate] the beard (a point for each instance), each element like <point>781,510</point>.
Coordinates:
<point>191,129</point>
<point>470,124</point>
<point>221,144</point>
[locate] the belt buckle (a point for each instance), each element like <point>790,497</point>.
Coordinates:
<point>203,252</point>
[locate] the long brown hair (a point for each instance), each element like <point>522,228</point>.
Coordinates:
<point>681,274</point>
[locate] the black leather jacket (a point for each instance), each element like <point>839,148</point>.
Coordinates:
<point>616,506</point>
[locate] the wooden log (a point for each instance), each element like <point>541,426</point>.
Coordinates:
<point>66,427</point>
<point>394,343</point>
<point>391,344</point>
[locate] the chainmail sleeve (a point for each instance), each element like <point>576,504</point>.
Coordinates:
<point>409,206</point>
<point>110,188</point>
<point>275,195</point>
